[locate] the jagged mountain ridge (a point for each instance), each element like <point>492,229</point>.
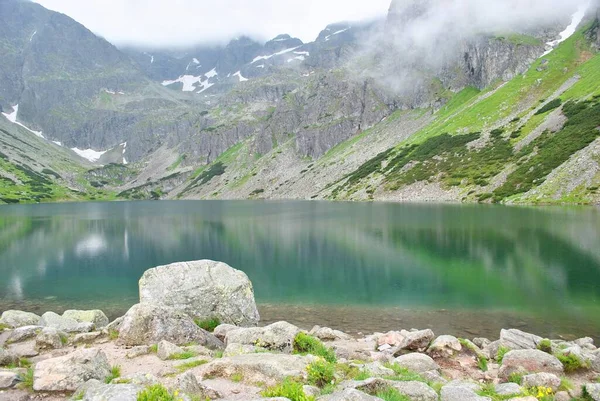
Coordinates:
<point>176,140</point>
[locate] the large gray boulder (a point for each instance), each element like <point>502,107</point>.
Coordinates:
<point>97,317</point>
<point>166,350</point>
<point>414,390</point>
<point>17,318</point>
<point>68,325</point>
<point>188,384</point>
<point>516,339</point>
<point>146,324</point>
<point>547,380</point>
<point>529,361</point>
<point>327,334</point>
<point>8,379</point>
<point>203,289</point>
<point>23,333</point>
<point>275,337</point>
<point>254,368</point>
<point>418,340</point>
<point>416,362</point>
<point>67,373</point>
<point>460,393</point>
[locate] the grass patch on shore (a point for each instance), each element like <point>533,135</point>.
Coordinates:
<point>237,377</point>
<point>572,363</point>
<point>153,348</point>
<point>182,356</point>
<point>4,327</point>
<point>115,372</point>
<point>489,390</point>
<point>190,365</point>
<point>157,392</point>
<point>545,345</point>
<point>21,363</point>
<point>113,334</point>
<point>305,344</point>
<point>208,324</point>
<point>27,380</point>
<point>482,363</point>
<point>502,350</point>
<point>391,394</point>
<point>289,389</point>
<point>321,373</point>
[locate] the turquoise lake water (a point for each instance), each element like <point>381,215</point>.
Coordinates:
<point>463,270</point>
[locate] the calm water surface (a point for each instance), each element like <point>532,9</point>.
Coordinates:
<point>463,270</point>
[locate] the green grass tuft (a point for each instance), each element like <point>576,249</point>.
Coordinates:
<point>321,373</point>
<point>208,324</point>
<point>306,344</point>
<point>289,389</point>
<point>115,372</point>
<point>156,392</point>
<point>502,350</point>
<point>391,394</point>
<point>183,355</point>
<point>27,380</point>
<point>572,362</point>
<point>545,345</point>
<point>190,365</point>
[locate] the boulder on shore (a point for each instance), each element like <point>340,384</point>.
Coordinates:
<point>529,361</point>
<point>274,337</point>
<point>146,324</point>
<point>66,324</point>
<point>96,316</point>
<point>67,373</point>
<point>17,318</point>
<point>203,289</point>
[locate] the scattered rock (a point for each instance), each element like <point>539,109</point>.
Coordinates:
<point>51,319</point>
<point>275,337</point>
<point>460,393</point>
<point>148,324</point>
<point>167,350</point>
<point>87,338</point>
<point>67,373</point>
<point>17,318</point>
<point>349,394</point>
<point>8,379</point>
<point>418,363</point>
<point>353,350</point>
<point>529,361</point>
<point>114,325</point>
<point>222,329</point>
<point>444,346</point>
<point>138,351</point>
<point>311,391</point>
<point>415,391</point>
<point>94,390</point>
<point>50,338</point>
<point>414,341</point>
<point>23,333</point>
<point>188,384</point>
<point>543,380</point>
<point>203,289</point>
<point>144,379</point>
<point>376,369</point>
<point>508,389</point>
<point>529,398</point>
<point>241,349</point>
<point>255,368</point>
<point>593,391</point>
<point>391,338</point>
<point>562,396</point>
<point>516,339</point>
<point>327,334</point>
<point>481,342</point>
<point>97,317</point>
<point>7,357</point>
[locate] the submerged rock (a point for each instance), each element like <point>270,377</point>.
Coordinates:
<point>67,373</point>
<point>274,337</point>
<point>17,318</point>
<point>203,289</point>
<point>97,317</point>
<point>146,324</point>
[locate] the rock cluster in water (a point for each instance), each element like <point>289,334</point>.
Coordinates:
<point>163,344</point>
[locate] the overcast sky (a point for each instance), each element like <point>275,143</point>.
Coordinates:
<point>184,22</point>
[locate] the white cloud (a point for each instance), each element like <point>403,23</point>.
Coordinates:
<point>185,22</point>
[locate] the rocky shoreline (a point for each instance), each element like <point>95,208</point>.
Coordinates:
<point>195,335</point>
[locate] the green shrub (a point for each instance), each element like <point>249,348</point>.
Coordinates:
<point>545,345</point>
<point>502,350</point>
<point>572,362</point>
<point>288,389</point>
<point>183,355</point>
<point>156,392</point>
<point>515,378</point>
<point>482,363</point>
<point>403,374</point>
<point>208,324</point>
<point>306,344</point>
<point>551,105</point>
<point>391,394</point>
<point>321,373</point>
<point>115,372</point>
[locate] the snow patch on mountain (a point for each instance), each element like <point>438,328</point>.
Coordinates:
<point>89,154</point>
<point>189,82</point>
<point>336,33</point>
<point>273,55</point>
<point>31,38</point>
<point>239,75</point>
<point>195,61</point>
<point>570,30</point>
<point>12,117</point>
<point>212,73</point>
<point>260,66</point>
<point>303,53</point>
<point>291,60</point>
<point>204,86</point>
